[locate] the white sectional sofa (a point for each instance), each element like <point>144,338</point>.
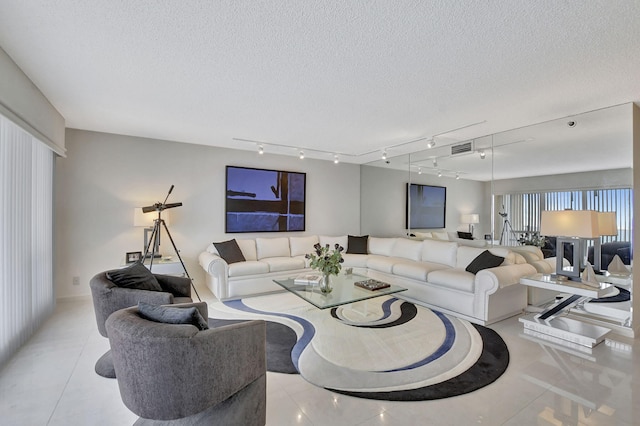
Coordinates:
<point>432,271</point>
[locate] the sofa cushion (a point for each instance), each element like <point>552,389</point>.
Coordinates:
<point>382,246</point>
<point>382,263</point>
<point>408,249</point>
<point>355,260</point>
<point>248,248</point>
<point>416,270</point>
<point>341,240</point>
<point>458,279</point>
<point>250,267</point>
<point>173,315</point>
<point>484,260</point>
<point>272,247</point>
<point>277,264</point>
<point>135,276</point>
<point>443,252</point>
<point>229,251</point>
<point>303,245</point>
<point>357,244</point>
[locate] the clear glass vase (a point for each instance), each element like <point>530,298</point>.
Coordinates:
<point>325,284</point>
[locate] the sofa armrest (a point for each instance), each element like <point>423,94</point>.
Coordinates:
<point>178,286</point>
<point>490,280</point>
<point>213,264</point>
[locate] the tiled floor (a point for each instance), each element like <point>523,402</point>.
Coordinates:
<point>51,382</point>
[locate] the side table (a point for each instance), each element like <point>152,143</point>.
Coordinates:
<point>550,322</point>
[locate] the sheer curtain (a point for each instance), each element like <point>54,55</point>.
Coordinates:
<point>26,236</point>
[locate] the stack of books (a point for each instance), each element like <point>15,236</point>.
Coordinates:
<point>372,284</point>
<point>308,279</point>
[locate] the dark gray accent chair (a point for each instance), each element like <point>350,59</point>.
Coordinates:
<point>176,371</point>
<point>108,298</point>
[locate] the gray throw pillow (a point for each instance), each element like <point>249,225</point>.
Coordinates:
<point>484,260</point>
<point>172,315</point>
<point>135,276</point>
<point>357,244</point>
<point>230,251</point>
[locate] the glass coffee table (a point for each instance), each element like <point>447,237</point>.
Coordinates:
<point>344,291</point>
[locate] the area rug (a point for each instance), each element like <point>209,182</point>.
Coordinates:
<point>383,348</point>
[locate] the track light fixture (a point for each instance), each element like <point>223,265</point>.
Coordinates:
<point>482,154</point>
<point>431,143</point>
<point>260,149</point>
<point>301,155</point>
<point>384,155</point>
<point>419,170</point>
<point>439,173</point>
<point>336,160</point>
<point>435,162</point>
<point>457,176</point>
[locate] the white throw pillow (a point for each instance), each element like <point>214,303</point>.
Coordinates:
<point>423,235</point>
<point>440,236</point>
<point>272,247</point>
<point>302,245</point>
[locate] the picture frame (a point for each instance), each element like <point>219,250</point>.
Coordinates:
<point>133,256</point>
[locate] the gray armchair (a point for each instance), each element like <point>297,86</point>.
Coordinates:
<point>108,298</point>
<point>176,371</point>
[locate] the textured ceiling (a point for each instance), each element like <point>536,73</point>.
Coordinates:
<point>352,77</point>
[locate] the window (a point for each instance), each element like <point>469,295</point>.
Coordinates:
<point>26,247</point>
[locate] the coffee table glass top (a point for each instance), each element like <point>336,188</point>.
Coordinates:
<point>344,291</point>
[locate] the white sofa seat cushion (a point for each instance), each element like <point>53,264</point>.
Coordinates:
<point>342,240</point>
<point>458,279</point>
<point>354,260</point>
<point>382,246</point>
<point>272,247</point>
<point>250,267</point>
<point>302,245</point>
<point>383,263</point>
<point>443,252</point>
<point>277,264</point>
<point>408,249</point>
<point>416,270</point>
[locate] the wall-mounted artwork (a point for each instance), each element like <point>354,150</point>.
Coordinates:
<point>260,200</point>
<point>426,206</point>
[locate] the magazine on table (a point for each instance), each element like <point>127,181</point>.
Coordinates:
<point>372,284</point>
<point>308,278</point>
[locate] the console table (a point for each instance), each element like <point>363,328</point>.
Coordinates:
<point>550,321</point>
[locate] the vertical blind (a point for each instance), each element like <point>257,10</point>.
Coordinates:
<point>524,210</point>
<point>26,228</point>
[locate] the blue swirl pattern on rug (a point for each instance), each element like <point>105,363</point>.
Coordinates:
<point>450,337</point>
<point>308,330</point>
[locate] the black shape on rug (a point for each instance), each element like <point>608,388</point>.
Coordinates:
<point>492,363</point>
<point>280,342</point>
<point>622,296</point>
<point>408,312</point>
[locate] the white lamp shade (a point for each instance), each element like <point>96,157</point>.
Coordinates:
<point>470,218</point>
<point>570,223</point>
<point>146,219</point>
<point>607,223</point>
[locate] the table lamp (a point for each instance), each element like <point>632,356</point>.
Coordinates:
<point>148,221</point>
<point>607,226</point>
<point>471,219</point>
<point>570,227</point>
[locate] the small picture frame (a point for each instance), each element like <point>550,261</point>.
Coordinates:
<point>133,256</point>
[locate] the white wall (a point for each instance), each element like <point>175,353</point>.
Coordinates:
<point>383,201</point>
<point>618,178</point>
<point>105,176</point>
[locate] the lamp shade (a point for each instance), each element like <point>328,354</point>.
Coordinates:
<point>470,218</point>
<point>570,223</point>
<point>607,224</point>
<point>146,219</point>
